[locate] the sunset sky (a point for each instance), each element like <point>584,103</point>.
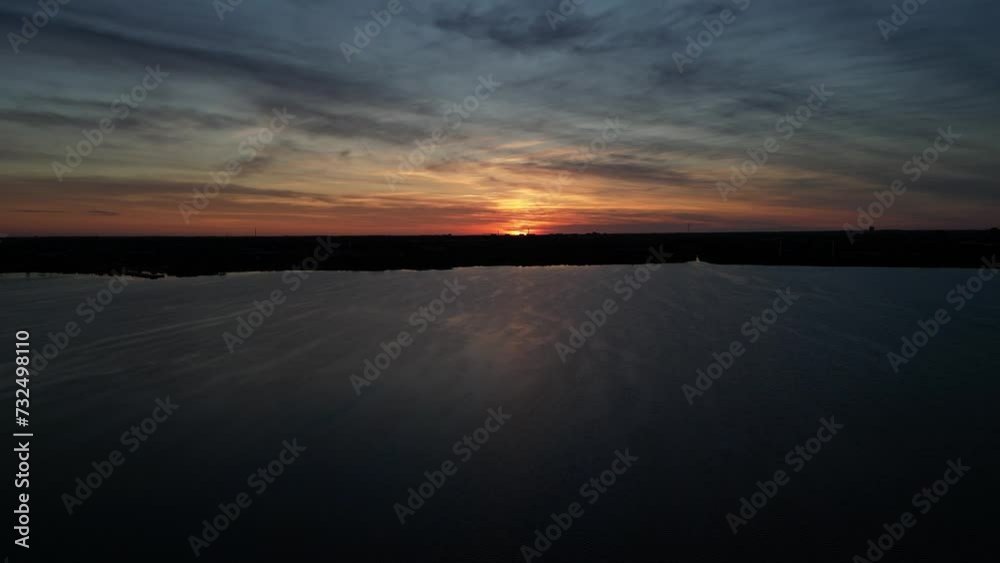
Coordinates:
<point>554,90</point>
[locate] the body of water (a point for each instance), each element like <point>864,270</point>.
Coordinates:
<point>542,420</point>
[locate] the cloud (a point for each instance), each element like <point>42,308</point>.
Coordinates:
<point>608,58</point>
<point>529,29</point>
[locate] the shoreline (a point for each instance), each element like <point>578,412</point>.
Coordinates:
<point>156,257</point>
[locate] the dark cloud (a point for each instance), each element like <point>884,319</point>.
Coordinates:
<point>530,29</point>
<point>608,58</point>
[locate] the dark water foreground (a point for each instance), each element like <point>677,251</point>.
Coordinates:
<point>190,256</point>
<point>487,366</point>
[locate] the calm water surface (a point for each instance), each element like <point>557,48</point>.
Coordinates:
<point>495,347</point>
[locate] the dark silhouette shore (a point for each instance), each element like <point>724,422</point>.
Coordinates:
<point>194,256</point>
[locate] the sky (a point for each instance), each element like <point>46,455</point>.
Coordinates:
<point>496,116</point>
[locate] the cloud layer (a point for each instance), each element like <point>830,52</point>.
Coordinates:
<point>535,154</point>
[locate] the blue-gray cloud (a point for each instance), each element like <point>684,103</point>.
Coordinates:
<point>609,57</point>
